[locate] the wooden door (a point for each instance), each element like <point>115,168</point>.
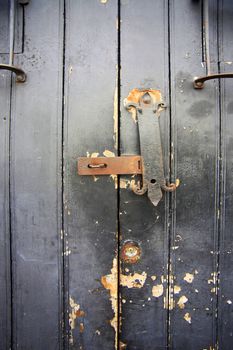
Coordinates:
<point>65,283</point>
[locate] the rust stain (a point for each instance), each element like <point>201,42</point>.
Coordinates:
<point>135,95</point>
<point>157,291</point>
<point>81,327</point>
<point>130,252</point>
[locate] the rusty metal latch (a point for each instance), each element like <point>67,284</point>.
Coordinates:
<point>146,106</point>
<point>147,113</point>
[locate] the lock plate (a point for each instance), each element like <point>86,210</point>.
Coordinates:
<point>110,165</point>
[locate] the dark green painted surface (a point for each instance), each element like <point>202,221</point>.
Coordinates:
<point>61,234</point>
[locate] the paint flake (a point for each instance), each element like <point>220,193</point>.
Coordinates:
<point>182,301</point>
<point>187,318</point>
<point>189,277</point>
<point>157,291</point>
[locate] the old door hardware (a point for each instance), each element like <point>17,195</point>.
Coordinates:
<point>147,104</point>
<point>198,82</point>
<point>110,165</point>
<point>20,74</point>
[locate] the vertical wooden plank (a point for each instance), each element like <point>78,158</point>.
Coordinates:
<point>90,203</point>
<point>5,263</point>
<point>4,28</point>
<point>144,64</point>
<point>225,322</point>
<point>195,129</point>
<point>36,181</point>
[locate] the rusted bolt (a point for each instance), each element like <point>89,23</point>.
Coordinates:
<point>146,98</point>
<point>130,252</point>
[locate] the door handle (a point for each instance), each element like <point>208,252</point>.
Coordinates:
<point>199,82</point>
<point>20,74</point>
<point>147,105</point>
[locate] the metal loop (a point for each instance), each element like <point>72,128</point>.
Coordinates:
<point>94,166</point>
<point>20,74</point>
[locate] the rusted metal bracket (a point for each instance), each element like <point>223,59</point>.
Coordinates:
<point>20,74</point>
<point>148,104</point>
<point>199,82</point>
<point>110,165</point>
<point>145,105</point>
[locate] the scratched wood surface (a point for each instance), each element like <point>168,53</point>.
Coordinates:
<point>5,248</point>
<point>5,262</point>
<point>90,203</point>
<point>144,64</point>
<point>225,319</point>
<point>195,130</point>
<point>36,182</point>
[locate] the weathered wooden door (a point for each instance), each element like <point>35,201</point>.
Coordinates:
<point>85,263</point>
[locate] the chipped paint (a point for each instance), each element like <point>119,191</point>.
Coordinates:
<point>103,1</point>
<point>157,291</point>
<point>229,302</point>
<point>187,318</point>
<point>125,183</point>
<point>135,95</point>
<point>75,312</point>
<point>115,180</point>
<point>110,282</point>
<point>94,155</point>
<point>135,280</point>
<point>108,153</point>
<point>177,289</point>
<point>189,277</point>
<point>153,278</point>
<point>168,301</point>
<point>182,301</point>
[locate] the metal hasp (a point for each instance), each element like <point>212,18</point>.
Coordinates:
<point>110,165</point>
<point>147,114</point>
<point>20,74</point>
<point>198,82</point>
